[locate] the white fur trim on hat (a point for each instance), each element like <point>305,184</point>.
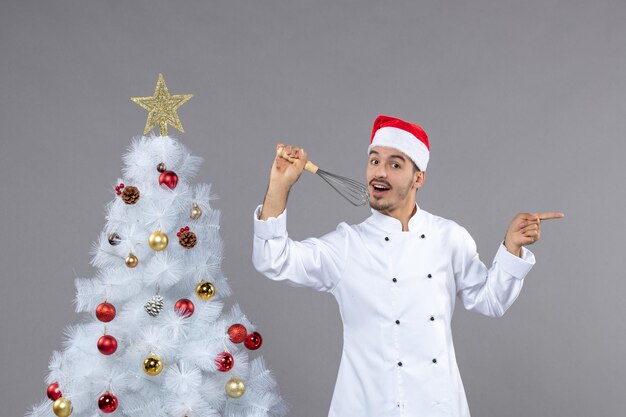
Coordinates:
<point>392,137</point>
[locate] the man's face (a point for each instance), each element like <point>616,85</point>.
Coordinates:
<point>391,179</point>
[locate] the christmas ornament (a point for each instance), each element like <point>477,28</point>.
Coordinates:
<point>237,333</point>
<point>235,387</point>
<point>54,392</point>
<point>62,407</point>
<point>131,260</point>
<point>119,188</point>
<point>107,344</point>
<point>162,108</point>
<point>131,195</point>
<point>114,239</point>
<point>152,365</point>
<point>184,307</point>
<point>224,362</point>
<point>195,212</point>
<point>186,238</point>
<point>161,167</point>
<point>169,179</point>
<point>205,290</point>
<point>154,305</point>
<point>107,403</point>
<point>105,312</point>
<point>158,240</point>
<point>253,341</point>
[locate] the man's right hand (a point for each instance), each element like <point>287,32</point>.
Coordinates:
<point>283,176</point>
<point>285,173</point>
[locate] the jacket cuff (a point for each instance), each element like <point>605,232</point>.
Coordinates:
<point>513,265</point>
<point>270,228</point>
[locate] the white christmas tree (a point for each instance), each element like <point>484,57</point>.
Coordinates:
<point>155,341</point>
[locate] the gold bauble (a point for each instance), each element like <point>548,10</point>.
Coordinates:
<point>205,290</point>
<point>235,387</point>
<point>158,240</point>
<point>62,407</point>
<point>131,260</point>
<point>195,212</point>
<point>152,365</point>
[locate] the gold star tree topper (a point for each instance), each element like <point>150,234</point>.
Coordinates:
<point>162,108</point>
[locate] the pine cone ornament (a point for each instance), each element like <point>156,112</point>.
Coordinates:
<point>186,238</point>
<point>154,305</point>
<point>130,195</point>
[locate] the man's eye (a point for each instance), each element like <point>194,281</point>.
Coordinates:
<point>373,161</point>
<point>396,165</point>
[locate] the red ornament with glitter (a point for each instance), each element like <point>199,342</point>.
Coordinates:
<point>107,344</point>
<point>184,307</point>
<point>169,179</point>
<point>237,333</point>
<point>253,341</point>
<point>119,188</point>
<point>107,403</point>
<point>224,362</point>
<point>105,312</point>
<point>54,392</point>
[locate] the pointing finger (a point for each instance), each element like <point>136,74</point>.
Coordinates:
<point>550,215</point>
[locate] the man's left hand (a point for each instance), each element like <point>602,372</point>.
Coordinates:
<point>525,229</point>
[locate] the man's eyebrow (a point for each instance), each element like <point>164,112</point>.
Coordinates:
<point>400,157</point>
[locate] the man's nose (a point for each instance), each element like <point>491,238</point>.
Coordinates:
<point>380,171</point>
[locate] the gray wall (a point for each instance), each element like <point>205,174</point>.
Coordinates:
<point>524,102</point>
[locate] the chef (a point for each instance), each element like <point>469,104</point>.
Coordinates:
<point>395,277</point>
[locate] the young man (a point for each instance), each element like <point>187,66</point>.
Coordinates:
<point>395,277</point>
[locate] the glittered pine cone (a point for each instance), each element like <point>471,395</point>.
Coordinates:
<point>130,194</point>
<point>187,239</point>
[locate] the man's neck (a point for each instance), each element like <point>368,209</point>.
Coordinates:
<point>403,214</point>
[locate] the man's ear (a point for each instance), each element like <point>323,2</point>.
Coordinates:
<point>421,177</point>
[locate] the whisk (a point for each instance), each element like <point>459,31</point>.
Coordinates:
<point>353,191</point>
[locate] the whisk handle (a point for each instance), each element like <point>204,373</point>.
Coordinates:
<point>309,166</point>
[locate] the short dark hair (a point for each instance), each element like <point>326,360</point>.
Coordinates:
<point>415,168</point>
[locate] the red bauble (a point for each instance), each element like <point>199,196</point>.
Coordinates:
<point>107,402</point>
<point>253,341</point>
<point>54,392</point>
<point>107,344</point>
<point>224,362</point>
<point>184,307</point>
<point>168,178</point>
<point>237,333</point>
<point>105,312</point>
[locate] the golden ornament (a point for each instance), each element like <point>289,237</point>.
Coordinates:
<point>131,260</point>
<point>152,365</point>
<point>158,240</point>
<point>162,108</point>
<point>205,290</point>
<point>195,212</point>
<point>62,407</point>
<point>235,387</point>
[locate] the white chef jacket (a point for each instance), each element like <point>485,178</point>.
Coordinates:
<point>396,292</point>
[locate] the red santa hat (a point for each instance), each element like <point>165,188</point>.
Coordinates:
<point>406,137</point>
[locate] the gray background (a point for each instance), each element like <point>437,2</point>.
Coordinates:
<point>524,103</point>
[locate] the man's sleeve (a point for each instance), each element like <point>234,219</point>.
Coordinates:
<point>488,291</point>
<point>314,262</point>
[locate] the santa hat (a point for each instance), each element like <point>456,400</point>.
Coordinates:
<point>406,137</point>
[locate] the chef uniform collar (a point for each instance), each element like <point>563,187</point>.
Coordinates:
<point>392,225</point>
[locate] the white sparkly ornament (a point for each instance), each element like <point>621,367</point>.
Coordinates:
<point>154,305</point>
